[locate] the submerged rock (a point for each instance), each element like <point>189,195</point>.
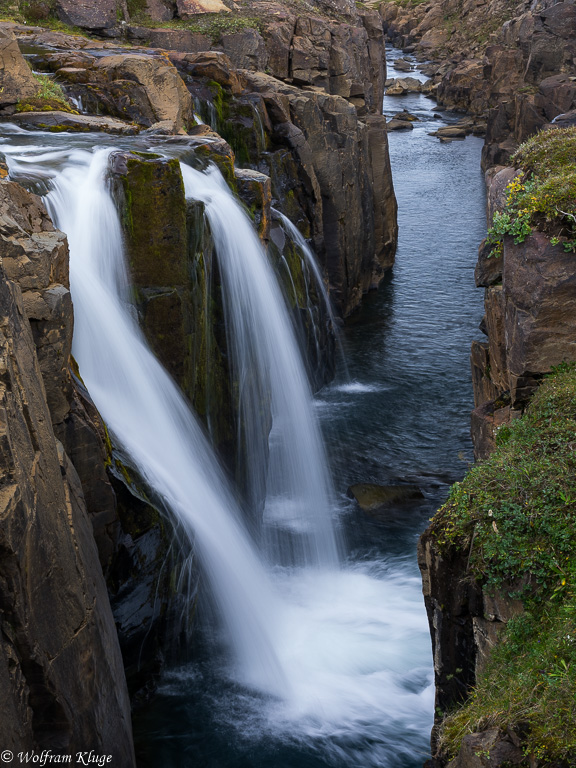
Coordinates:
<point>371,497</point>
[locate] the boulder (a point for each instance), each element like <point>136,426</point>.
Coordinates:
<point>16,79</point>
<point>58,122</point>
<point>403,85</point>
<point>452,132</point>
<point>166,92</point>
<point>402,66</point>
<point>399,125</point>
<point>188,8</point>
<point>371,497</point>
<point>87,14</point>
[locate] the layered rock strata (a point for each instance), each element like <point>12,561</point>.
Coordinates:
<point>330,170</point>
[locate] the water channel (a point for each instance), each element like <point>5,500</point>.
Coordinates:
<point>401,416</point>
<point>356,642</point>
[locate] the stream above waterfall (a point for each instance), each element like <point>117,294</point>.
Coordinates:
<point>354,641</point>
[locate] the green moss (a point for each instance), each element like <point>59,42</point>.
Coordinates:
<point>516,515</point>
<point>213,25</point>
<point>154,216</point>
<point>44,105</point>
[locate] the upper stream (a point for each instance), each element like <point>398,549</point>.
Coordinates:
<point>351,641</point>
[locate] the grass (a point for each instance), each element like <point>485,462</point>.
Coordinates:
<point>516,515</point>
<point>49,96</point>
<point>543,195</point>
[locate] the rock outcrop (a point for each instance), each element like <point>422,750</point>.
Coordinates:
<point>529,302</point>
<point>16,79</point>
<point>306,139</point>
<point>60,663</point>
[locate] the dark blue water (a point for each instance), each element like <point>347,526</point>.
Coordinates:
<point>402,417</point>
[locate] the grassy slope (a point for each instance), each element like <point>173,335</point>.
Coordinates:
<point>517,511</point>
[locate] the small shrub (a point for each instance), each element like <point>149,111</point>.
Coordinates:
<point>543,195</point>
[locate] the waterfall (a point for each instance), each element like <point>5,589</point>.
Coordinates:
<point>146,413</point>
<point>297,237</point>
<point>289,463</point>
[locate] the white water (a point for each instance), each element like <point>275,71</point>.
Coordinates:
<point>289,465</point>
<point>352,642</point>
<point>146,413</point>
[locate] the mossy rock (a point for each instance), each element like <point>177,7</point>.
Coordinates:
<point>45,105</point>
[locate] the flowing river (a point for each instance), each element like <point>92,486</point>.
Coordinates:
<point>350,640</point>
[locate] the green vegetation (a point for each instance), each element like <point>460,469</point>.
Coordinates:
<point>543,195</point>
<point>214,25</point>
<point>516,515</point>
<point>49,97</point>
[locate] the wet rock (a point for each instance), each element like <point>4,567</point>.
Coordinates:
<point>57,122</point>
<point>256,192</point>
<point>371,497</point>
<point>16,79</point>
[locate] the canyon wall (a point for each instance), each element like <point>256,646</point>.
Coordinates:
<point>305,138</point>
<point>62,676</point>
<point>511,63</point>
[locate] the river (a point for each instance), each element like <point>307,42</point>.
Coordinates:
<point>354,640</point>
<point>400,415</point>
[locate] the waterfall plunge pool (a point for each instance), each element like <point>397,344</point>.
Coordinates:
<point>355,640</point>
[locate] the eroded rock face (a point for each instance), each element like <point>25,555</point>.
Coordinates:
<point>465,621</point>
<point>62,675</point>
<point>328,144</point>
<point>530,300</point>
<point>167,95</point>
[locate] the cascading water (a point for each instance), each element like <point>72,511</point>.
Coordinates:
<point>352,641</point>
<point>146,413</point>
<point>289,464</point>
<point>297,237</point>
